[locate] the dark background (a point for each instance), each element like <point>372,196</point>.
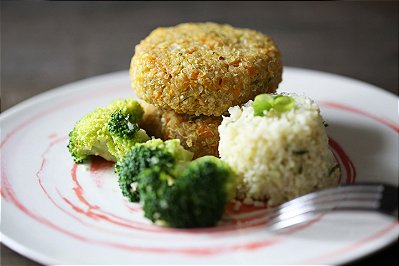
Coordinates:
<point>47,44</point>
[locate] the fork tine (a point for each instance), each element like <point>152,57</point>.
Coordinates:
<point>281,224</point>
<point>336,203</point>
<point>329,206</point>
<point>370,197</point>
<point>328,195</point>
<point>349,195</point>
<point>361,188</point>
<point>291,218</point>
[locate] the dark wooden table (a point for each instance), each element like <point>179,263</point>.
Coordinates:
<point>47,44</point>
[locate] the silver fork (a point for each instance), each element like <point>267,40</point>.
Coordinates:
<point>377,197</point>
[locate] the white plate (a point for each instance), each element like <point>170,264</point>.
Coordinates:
<point>55,212</point>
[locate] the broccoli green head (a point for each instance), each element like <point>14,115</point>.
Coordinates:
<point>154,152</point>
<point>121,125</point>
<point>109,132</point>
<point>190,195</point>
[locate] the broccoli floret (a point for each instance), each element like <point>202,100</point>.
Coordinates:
<point>190,195</point>
<point>119,125</point>
<point>109,132</point>
<point>145,155</point>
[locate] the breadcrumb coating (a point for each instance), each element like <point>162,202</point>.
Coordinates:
<point>198,134</point>
<point>152,120</point>
<point>204,68</point>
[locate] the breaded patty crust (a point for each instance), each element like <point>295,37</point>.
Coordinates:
<point>198,134</point>
<point>204,68</point>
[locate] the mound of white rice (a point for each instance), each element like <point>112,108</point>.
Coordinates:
<point>278,156</point>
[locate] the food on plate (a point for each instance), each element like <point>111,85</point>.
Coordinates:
<point>152,120</point>
<point>173,190</point>
<point>108,132</point>
<point>152,153</point>
<point>198,134</point>
<point>188,195</point>
<point>278,146</point>
<point>204,68</point>
<point>272,149</point>
<point>187,76</point>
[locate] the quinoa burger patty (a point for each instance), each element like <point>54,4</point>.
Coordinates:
<point>198,134</point>
<point>204,68</point>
